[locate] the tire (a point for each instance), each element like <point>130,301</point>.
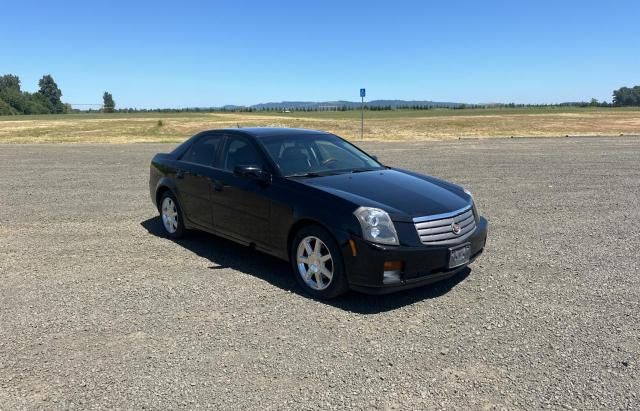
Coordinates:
<point>171,216</point>
<point>319,276</point>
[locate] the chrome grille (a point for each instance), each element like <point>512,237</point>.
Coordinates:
<point>438,229</point>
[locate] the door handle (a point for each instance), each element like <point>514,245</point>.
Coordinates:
<point>182,173</point>
<point>217,184</point>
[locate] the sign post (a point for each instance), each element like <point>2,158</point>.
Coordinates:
<point>363,93</point>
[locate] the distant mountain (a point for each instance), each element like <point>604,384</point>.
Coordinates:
<point>349,104</point>
<point>232,107</point>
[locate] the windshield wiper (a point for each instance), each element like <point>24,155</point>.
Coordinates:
<point>363,169</point>
<point>318,173</point>
<point>332,172</point>
<point>310,174</point>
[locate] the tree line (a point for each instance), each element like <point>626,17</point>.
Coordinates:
<point>625,96</point>
<point>47,100</point>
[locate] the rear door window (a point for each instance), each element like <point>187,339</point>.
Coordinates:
<point>204,151</point>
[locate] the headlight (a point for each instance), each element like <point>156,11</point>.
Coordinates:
<point>475,213</point>
<point>475,210</point>
<point>377,226</point>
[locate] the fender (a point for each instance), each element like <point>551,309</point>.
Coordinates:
<point>162,183</point>
<point>335,217</point>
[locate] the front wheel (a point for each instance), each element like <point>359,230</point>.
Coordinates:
<point>171,215</point>
<point>317,263</point>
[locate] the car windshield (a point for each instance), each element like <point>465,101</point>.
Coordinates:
<point>313,155</point>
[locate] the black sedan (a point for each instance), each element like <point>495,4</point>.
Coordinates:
<point>342,219</point>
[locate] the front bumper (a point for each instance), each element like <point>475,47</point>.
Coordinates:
<point>420,265</point>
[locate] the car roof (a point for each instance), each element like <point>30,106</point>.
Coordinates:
<point>266,132</point>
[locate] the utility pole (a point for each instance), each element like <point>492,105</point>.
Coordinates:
<point>363,93</point>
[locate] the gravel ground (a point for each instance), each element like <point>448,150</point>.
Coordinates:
<point>97,310</point>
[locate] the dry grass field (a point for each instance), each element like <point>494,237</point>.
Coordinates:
<point>401,125</point>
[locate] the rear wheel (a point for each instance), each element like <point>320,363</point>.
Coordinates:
<point>317,263</point>
<point>171,215</point>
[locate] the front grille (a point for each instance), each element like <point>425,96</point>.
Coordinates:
<point>438,229</point>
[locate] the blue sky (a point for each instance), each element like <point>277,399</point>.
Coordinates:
<point>189,53</point>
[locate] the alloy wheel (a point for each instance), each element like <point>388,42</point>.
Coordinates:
<point>169,215</point>
<point>315,263</point>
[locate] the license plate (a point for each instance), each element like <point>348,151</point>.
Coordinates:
<point>459,255</point>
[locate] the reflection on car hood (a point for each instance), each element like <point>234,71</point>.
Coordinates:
<point>402,194</point>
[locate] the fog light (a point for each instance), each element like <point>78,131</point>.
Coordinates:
<point>392,265</point>
<point>392,271</point>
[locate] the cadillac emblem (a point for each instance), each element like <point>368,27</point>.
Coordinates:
<point>455,228</point>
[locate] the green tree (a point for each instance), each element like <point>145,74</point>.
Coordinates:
<point>625,96</point>
<point>6,109</point>
<point>9,82</point>
<point>36,104</point>
<point>12,100</point>
<point>17,100</point>
<point>49,89</point>
<point>108,103</point>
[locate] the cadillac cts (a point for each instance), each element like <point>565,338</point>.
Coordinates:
<point>340,217</point>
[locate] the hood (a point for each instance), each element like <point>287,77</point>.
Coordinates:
<point>403,195</point>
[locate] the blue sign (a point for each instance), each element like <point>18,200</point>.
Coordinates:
<point>363,92</point>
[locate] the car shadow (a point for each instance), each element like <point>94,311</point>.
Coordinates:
<point>226,254</point>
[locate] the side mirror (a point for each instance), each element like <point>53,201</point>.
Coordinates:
<point>373,157</point>
<point>252,172</point>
